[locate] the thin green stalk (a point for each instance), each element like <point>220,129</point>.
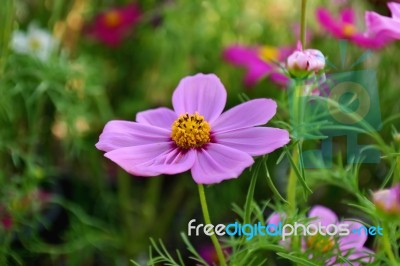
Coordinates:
<point>303,22</point>
<point>387,247</point>
<point>124,185</point>
<point>292,184</point>
<point>207,220</point>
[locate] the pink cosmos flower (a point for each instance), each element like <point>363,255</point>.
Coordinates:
<point>350,246</point>
<point>388,200</point>
<point>345,28</point>
<point>112,26</point>
<point>260,62</point>
<point>195,135</point>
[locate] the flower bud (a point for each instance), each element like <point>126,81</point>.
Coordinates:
<point>388,200</point>
<point>302,63</point>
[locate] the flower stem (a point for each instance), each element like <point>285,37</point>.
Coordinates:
<point>292,184</point>
<point>207,220</point>
<point>303,23</point>
<point>387,247</point>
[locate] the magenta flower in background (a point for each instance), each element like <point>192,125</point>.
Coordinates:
<point>388,200</point>
<point>380,26</point>
<point>195,135</point>
<point>112,26</point>
<point>345,28</point>
<point>260,62</point>
<point>350,246</point>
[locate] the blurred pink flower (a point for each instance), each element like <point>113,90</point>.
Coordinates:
<point>195,136</point>
<point>388,200</point>
<point>301,62</point>
<point>6,221</point>
<point>351,246</point>
<point>208,253</point>
<point>387,28</point>
<point>112,26</point>
<point>380,30</point>
<point>260,62</point>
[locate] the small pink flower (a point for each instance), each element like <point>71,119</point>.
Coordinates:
<point>351,246</point>
<point>388,200</point>
<point>301,62</point>
<point>260,62</point>
<point>345,28</point>
<point>195,136</point>
<point>112,26</point>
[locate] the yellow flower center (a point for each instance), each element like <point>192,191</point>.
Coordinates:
<point>348,30</point>
<point>269,53</point>
<point>190,131</point>
<point>112,19</point>
<point>320,243</point>
<point>34,44</point>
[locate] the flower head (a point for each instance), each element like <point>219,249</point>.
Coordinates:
<point>195,136</point>
<point>36,42</point>
<point>301,62</point>
<point>329,247</point>
<point>112,26</point>
<point>380,30</point>
<point>388,200</point>
<point>260,62</point>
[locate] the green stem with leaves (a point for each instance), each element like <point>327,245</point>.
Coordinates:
<point>387,246</point>
<point>207,220</point>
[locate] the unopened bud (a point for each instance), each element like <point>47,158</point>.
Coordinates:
<point>302,63</point>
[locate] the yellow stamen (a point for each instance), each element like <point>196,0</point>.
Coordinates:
<point>34,44</point>
<point>269,53</point>
<point>320,243</point>
<point>190,131</point>
<point>348,30</point>
<point>112,19</point>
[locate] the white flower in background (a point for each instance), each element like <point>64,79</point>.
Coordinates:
<point>35,41</point>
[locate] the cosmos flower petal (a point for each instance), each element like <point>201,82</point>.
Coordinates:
<point>152,159</point>
<point>159,117</point>
<point>256,72</point>
<point>385,27</point>
<point>118,134</point>
<point>394,9</point>
<point>251,113</point>
<point>353,240</point>
<point>347,15</point>
<point>280,79</point>
<point>248,58</point>
<point>323,215</point>
<point>201,93</point>
<point>363,254</point>
<point>254,141</point>
<point>329,22</point>
<point>275,218</point>
<point>217,162</point>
